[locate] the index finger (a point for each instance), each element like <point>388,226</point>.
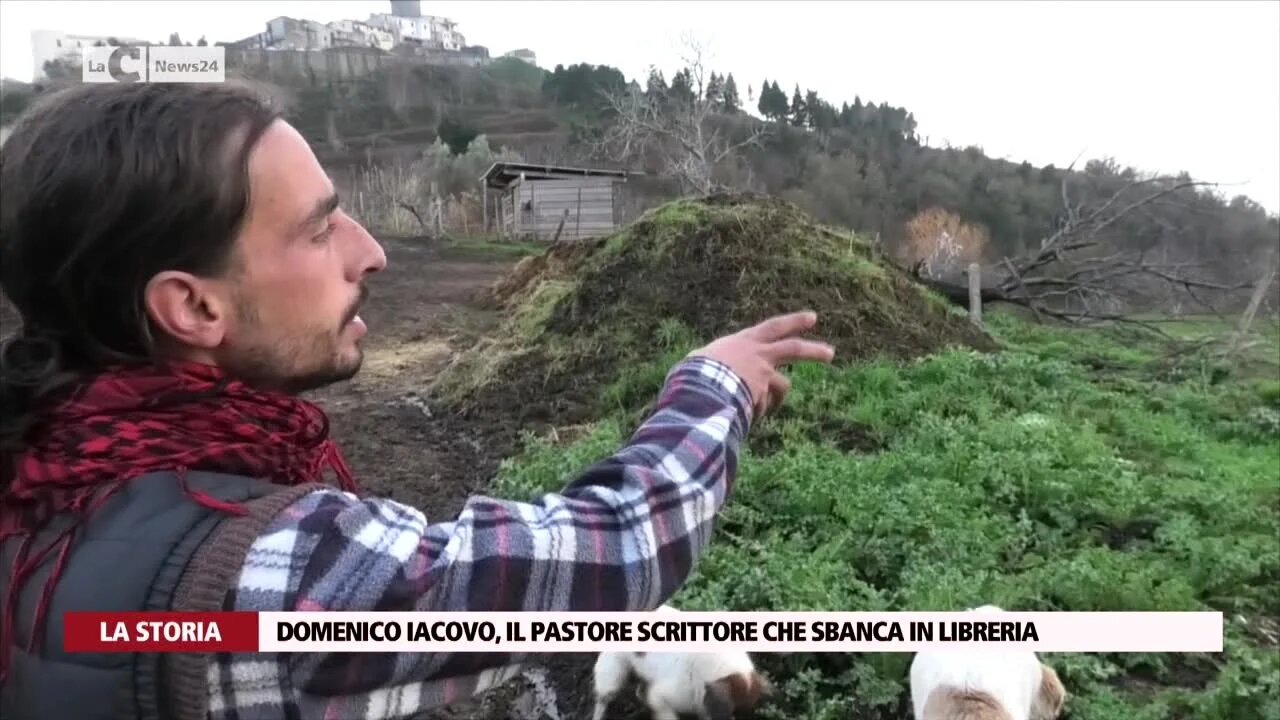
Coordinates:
<point>780,326</point>
<point>791,350</point>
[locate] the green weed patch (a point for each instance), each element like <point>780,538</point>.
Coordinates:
<point>1026,478</point>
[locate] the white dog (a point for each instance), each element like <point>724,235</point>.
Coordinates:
<point>712,686</point>
<point>984,685</point>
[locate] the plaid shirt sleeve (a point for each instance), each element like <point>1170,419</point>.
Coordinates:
<point>623,535</point>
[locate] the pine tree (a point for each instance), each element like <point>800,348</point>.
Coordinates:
<point>813,109</point>
<point>714,92</point>
<point>682,88</point>
<point>656,86</point>
<point>799,114</point>
<point>731,102</point>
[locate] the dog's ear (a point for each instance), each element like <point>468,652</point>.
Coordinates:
<point>718,700</point>
<point>1051,696</point>
<point>734,693</point>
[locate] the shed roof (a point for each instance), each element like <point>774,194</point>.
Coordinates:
<point>502,174</point>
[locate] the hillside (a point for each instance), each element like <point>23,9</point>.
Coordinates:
<point>858,165</point>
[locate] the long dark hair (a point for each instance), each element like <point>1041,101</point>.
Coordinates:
<point>101,187</point>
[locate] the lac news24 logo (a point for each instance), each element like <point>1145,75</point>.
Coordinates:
<point>154,64</point>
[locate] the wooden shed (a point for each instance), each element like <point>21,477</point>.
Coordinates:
<point>530,200</point>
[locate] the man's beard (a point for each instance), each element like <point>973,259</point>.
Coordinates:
<point>299,363</point>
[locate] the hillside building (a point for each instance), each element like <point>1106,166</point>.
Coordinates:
<point>405,31</point>
<point>353,33</point>
<point>286,33</point>
<point>524,54</point>
<point>430,31</point>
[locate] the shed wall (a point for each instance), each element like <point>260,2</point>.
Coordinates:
<point>541,204</point>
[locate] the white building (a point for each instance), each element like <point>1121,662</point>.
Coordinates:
<point>286,33</point>
<point>47,45</point>
<point>356,33</point>
<point>429,30</point>
<point>524,54</point>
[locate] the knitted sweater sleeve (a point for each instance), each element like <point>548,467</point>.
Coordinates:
<point>622,535</point>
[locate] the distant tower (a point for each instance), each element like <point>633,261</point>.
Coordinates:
<point>406,8</point>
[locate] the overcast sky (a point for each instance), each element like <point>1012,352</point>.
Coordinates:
<point>1163,86</point>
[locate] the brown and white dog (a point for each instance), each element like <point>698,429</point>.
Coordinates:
<point>711,686</point>
<point>984,685</point>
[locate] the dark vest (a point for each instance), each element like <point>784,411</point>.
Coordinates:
<point>149,547</point>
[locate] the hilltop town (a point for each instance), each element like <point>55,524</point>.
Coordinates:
<point>404,31</point>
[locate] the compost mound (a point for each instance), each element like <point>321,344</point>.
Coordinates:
<point>581,311</point>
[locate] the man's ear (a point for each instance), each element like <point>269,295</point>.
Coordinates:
<point>188,310</point>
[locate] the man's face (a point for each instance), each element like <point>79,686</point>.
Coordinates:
<point>298,278</point>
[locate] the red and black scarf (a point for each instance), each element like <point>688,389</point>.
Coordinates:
<point>130,421</point>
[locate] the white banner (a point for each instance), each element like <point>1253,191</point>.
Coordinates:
<point>763,632</point>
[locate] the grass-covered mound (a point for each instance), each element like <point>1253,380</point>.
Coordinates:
<point>582,313</point>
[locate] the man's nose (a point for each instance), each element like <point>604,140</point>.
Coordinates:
<point>372,258</point>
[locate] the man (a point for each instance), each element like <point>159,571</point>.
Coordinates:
<point>184,269</point>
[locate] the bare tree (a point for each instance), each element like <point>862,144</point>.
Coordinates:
<point>1086,270</point>
<point>687,137</point>
<point>937,240</point>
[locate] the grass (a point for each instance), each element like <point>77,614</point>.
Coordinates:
<point>486,249</point>
<point>1074,470</point>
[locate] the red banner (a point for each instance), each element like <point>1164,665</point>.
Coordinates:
<point>160,631</point>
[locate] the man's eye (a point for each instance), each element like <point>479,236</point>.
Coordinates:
<point>328,230</point>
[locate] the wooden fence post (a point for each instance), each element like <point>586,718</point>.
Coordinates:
<point>533,208</point>
<point>1259,292</point>
<point>516,208</point>
<point>975,293</point>
<point>435,207</point>
<point>563,218</point>
<point>577,223</point>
